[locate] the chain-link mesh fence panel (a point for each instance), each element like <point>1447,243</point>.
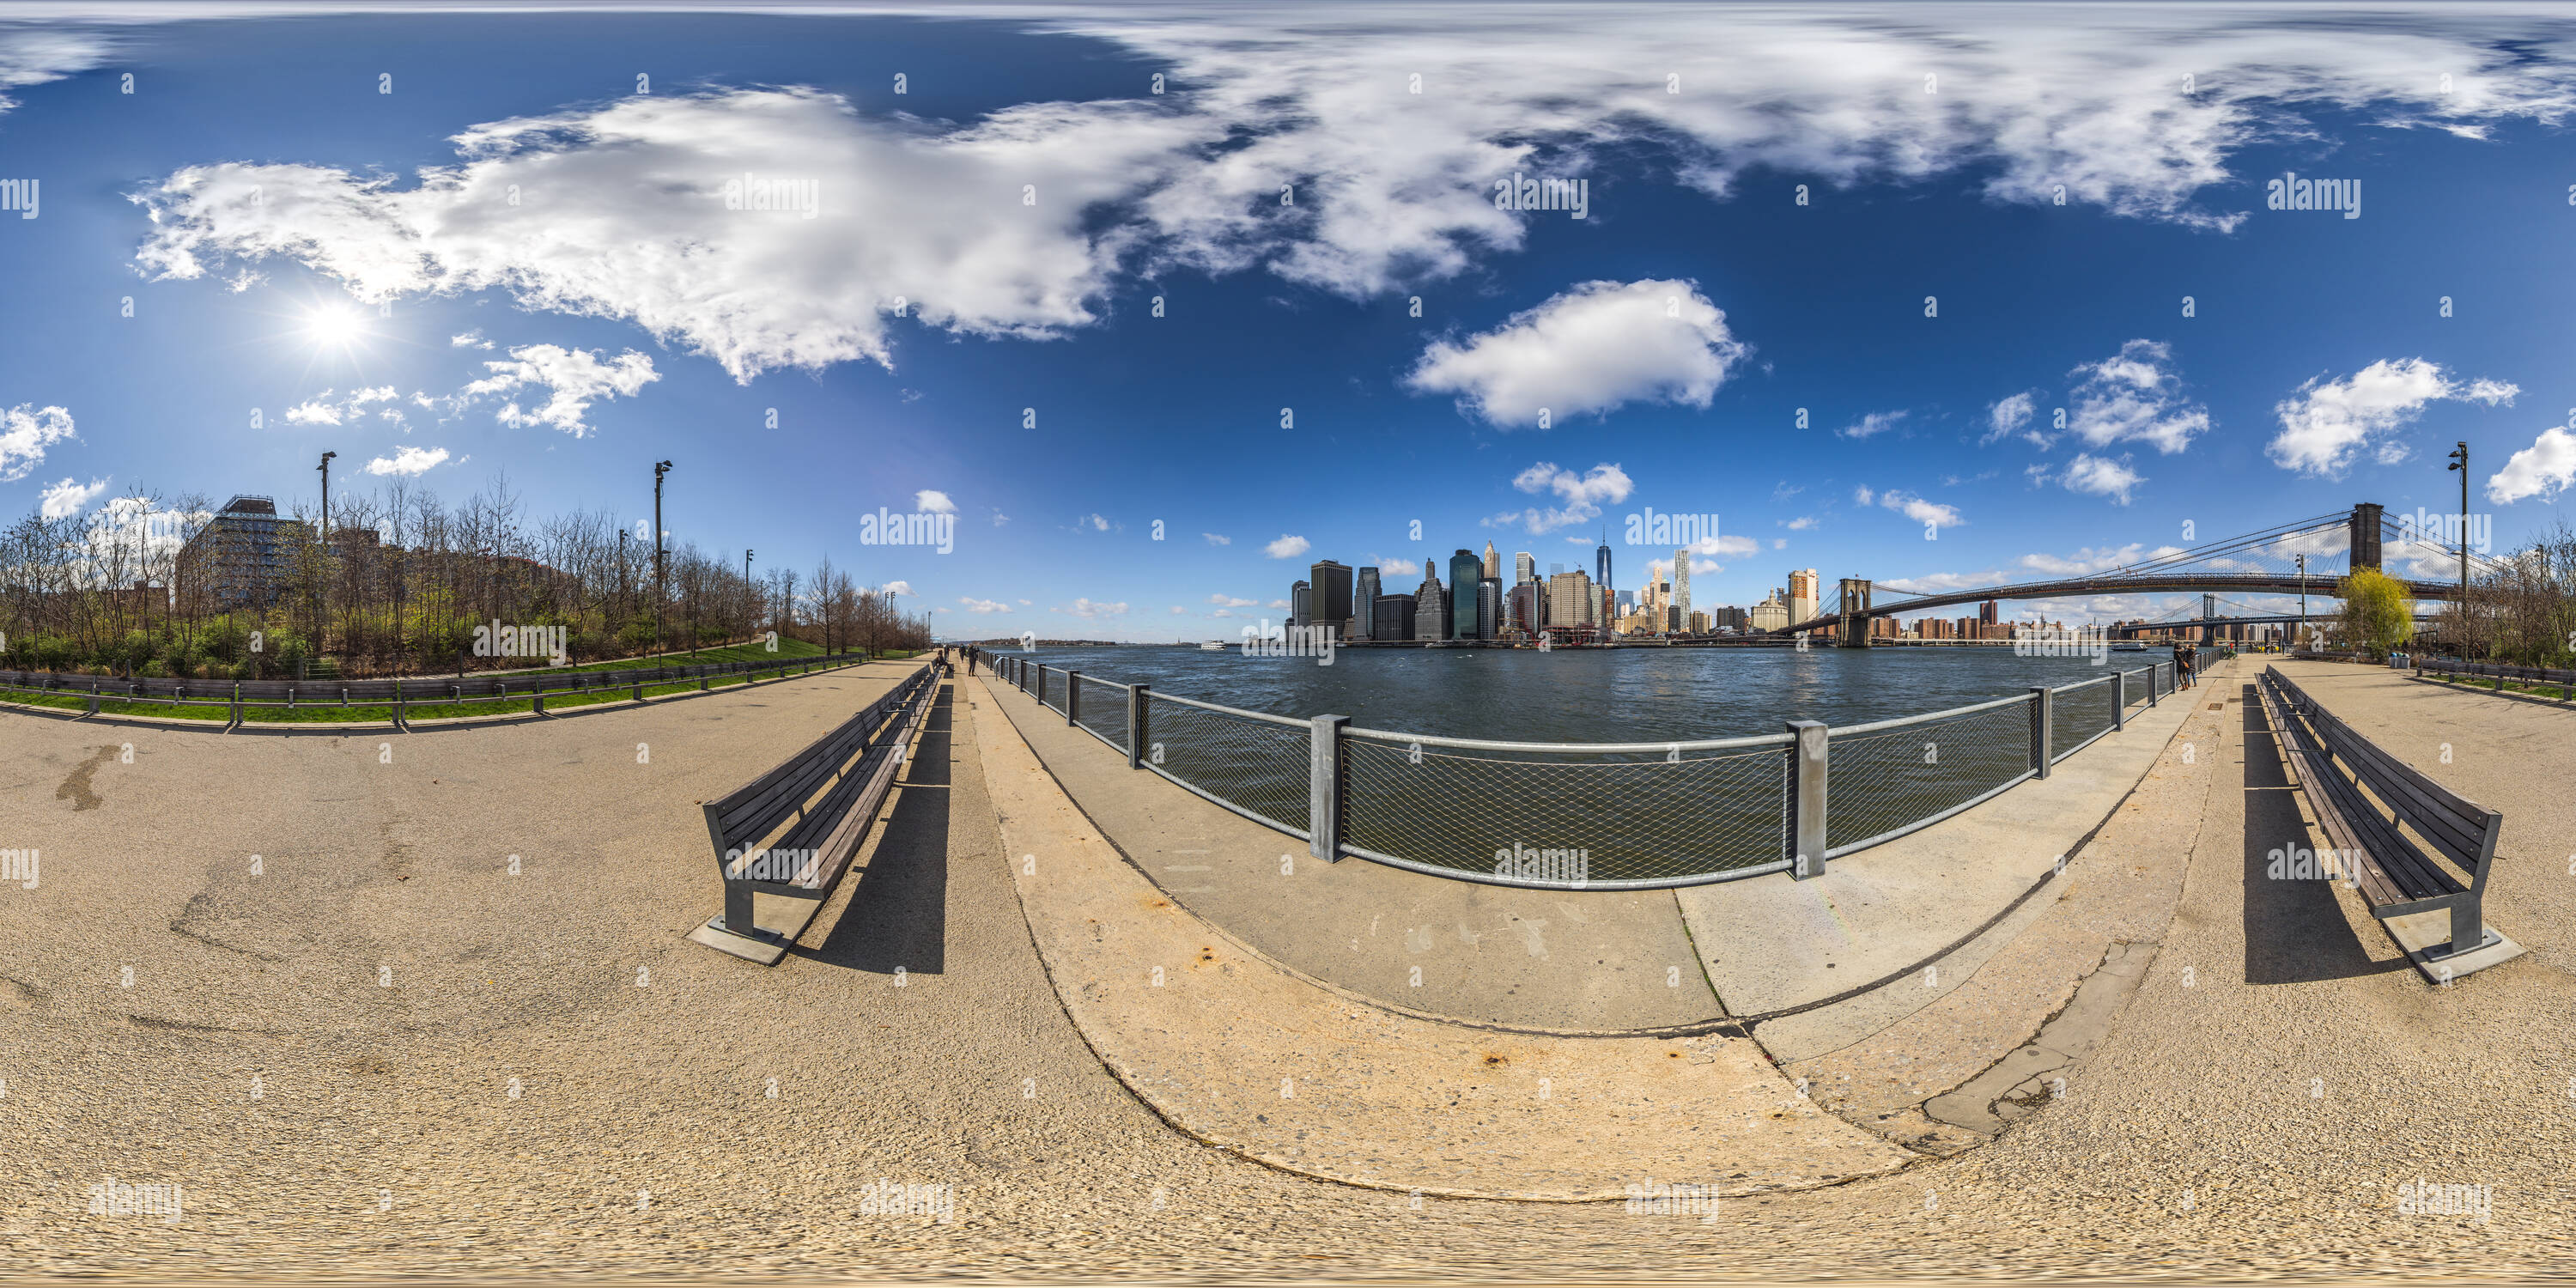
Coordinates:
<point>1102,709</point>
<point>2135,690</point>
<point>1256,765</point>
<point>1054,689</point>
<point>1567,817</point>
<point>2081,712</point>
<point>1890,780</point>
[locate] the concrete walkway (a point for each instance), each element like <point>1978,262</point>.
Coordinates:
<point>2275,1076</point>
<point>1242,1053</point>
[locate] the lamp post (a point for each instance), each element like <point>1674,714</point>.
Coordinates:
<point>2460,461</point>
<point>322,598</point>
<point>2303,598</point>
<point>750,593</point>
<point>661,593</point>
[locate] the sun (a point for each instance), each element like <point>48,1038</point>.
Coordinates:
<point>336,325</point>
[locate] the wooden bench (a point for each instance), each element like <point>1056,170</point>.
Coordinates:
<point>794,830</point>
<point>2417,846</point>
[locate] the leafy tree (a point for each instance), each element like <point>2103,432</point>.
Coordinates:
<point>2375,614</point>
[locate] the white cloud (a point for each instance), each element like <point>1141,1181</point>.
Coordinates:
<point>573,379</point>
<point>1944,582</point>
<point>2099,476</point>
<point>33,56</point>
<point>1397,567</point>
<point>1215,540</point>
<point>905,209</point>
<point>1177,610</point>
<point>898,588</point>
<point>469,340</point>
<point>1580,496</point>
<point>974,605</point>
<point>1802,523</point>
<point>2012,415</point>
<point>2543,469</point>
<point>1389,187</point>
<point>1911,506</point>
<point>326,409</point>
<point>2134,395</point>
<point>1701,566</point>
<point>408,461</point>
<point>1873,424</point>
<point>1779,543</point>
<point>1287,547</point>
<point>1089,611</point>
<point>1729,546</point>
<point>929,501</point>
<point>1228,601</point>
<point>1277,603</point>
<point>2327,422</point>
<point>65,499</point>
<point>1586,351</point>
<point>24,436</point>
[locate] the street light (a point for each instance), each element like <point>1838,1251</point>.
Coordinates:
<point>322,629</point>
<point>2303,597</point>
<point>660,591</point>
<point>2460,461</point>
<point>748,591</point>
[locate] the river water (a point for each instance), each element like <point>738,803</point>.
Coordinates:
<point>1593,695</point>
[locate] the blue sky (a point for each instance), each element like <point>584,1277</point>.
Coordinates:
<point>296,241</point>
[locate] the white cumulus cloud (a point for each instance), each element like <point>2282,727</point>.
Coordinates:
<point>974,605</point>
<point>1586,351</point>
<point>24,436</point>
<point>929,501</point>
<point>1287,547</point>
<point>572,378</point>
<point>67,498</point>
<point>1873,424</point>
<point>408,461</point>
<point>2098,476</point>
<point>2135,396</point>
<point>2328,422</point>
<point>2543,469</point>
<point>1579,496</point>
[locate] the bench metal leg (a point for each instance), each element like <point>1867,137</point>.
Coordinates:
<point>737,913</point>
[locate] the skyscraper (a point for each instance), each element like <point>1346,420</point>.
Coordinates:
<point>1392,618</point>
<point>1331,596</point>
<point>1681,582</point>
<point>1430,606</point>
<point>1524,569</point>
<point>1489,608</point>
<point>1571,601</point>
<point>1364,605</point>
<point>1802,595</point>
<point>1601,560</point>
<point>1465,570</point>
<point>1301,603</point>
<point>1493,561</point>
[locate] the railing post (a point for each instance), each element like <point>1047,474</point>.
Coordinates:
<point>1807,799</point>
<point>639,690</point>
<point>1072,695</point>
<point>1135,723</point>
<point>2043,727</point>
<point>2119,700</point>
<point>1324,788</point>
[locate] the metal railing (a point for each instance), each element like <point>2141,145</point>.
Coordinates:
<point>1594,816</point>
<point>236,696</point>
<point>2532,676</point>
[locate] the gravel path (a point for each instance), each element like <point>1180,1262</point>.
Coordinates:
<point>2278,1075</point>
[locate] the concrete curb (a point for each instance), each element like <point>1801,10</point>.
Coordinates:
<point>1238,1053</point>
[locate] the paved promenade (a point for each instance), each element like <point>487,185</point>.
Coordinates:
<point>2271,1074</point>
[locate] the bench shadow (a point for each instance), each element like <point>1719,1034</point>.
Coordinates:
<point>2295,931</point>
<point>897,914</point>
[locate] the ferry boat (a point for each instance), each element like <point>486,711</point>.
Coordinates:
<point>1211,646</point>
